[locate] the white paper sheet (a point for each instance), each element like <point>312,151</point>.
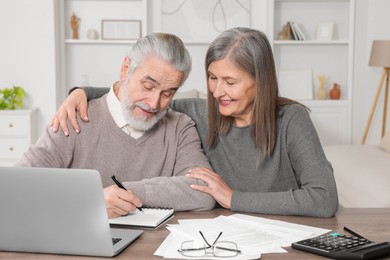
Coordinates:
<point>253,235</point>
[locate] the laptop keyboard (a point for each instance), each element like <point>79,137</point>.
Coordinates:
<point>116,240</point>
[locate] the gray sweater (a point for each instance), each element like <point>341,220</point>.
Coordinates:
<point>296,180</point>
<point>153,166</point>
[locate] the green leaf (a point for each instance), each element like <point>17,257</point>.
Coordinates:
<point>12,98</point>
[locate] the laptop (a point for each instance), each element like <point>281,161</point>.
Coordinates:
<point>59,211</point>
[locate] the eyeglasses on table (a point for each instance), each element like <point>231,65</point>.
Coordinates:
<point>217,248</point>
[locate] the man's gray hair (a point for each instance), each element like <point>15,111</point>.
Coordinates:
<point>164,46</point>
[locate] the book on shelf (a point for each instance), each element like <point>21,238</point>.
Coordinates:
<point>150,218</point>
<point>299,31</point>
<point>296,31</point>
<point>293,33</point>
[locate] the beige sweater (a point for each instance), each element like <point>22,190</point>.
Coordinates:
<point>153,166</point>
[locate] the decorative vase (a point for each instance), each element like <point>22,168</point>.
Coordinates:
<point>321,92</point>
<point>92,34</point>
<point>335,91</point>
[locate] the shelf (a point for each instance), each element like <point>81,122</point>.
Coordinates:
<point>311,1</point>
<point>102,0</point>
<point>322,103</point>
<point>71,41</point>
<point>311,42</point>
<point>196,43</point>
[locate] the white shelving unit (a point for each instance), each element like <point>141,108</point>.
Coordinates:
<point>197,23</point>
<point>97,62</point>
<point>333,58</point>
<point>94,62</point>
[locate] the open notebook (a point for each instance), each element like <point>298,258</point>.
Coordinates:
<point>150,218</point>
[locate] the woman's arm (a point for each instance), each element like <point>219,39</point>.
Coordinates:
<point>94,92</point>
<point>76,101</point>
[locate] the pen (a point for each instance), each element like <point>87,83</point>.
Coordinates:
<point>354,233</point>
<point>119,184</point>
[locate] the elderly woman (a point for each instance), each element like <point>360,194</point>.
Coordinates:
<point>265,152</point>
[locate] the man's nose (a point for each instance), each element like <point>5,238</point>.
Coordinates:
<point>154,100</point>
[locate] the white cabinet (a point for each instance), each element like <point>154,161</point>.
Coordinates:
<point>332,58</point>
<point>17,132</point>
<point>330,121</point>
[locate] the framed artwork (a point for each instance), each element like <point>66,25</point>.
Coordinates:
<point>296,84</point>
<point>325,31</point>
<point>121,29</point>
<point>212,16</point>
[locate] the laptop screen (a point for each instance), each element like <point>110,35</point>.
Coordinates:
<point>50,210</point>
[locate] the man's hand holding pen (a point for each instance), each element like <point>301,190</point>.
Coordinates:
<point>120,202</point>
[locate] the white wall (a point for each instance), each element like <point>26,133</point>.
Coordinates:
<point>27,58</point>
<point>372,23</point>
<point>27,53</point>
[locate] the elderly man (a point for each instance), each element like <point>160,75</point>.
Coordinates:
<point>134,135</point>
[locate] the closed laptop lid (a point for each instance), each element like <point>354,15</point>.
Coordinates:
<point>50,210</point>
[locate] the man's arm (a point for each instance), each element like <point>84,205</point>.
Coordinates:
<point>57,151</point>
<point>50,151</point>
<point>174,191</point>
<point>76,101</point>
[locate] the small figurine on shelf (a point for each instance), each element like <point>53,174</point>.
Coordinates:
<point>92,34</point>
<point>285,33</point>
<point>321,91</point>
<point>335,91</point>
<point>74,24</point>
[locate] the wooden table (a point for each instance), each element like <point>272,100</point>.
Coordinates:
<point>373,223</point>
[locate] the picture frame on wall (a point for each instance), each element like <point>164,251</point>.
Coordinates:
<point>325,31</point>
<point>121,29</point>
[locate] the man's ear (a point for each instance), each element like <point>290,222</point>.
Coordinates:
<point>124,68</point>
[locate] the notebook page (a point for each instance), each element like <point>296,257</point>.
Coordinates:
<point>151,217</point>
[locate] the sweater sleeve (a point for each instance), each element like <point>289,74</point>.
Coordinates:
<point>92,92</point>
<point>175,191</point>
<point>315,193</point>
<point>50,151</point>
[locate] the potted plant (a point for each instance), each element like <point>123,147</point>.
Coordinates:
<point>11,98</point>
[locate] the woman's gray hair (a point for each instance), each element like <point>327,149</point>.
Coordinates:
<point>164,46</point>
<point>249,50</point>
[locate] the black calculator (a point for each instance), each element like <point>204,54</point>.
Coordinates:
<point>338,246</point>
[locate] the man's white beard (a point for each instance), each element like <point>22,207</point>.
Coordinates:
<point>140,124</point>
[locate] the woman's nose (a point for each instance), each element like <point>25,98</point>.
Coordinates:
<point>219,90</point>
